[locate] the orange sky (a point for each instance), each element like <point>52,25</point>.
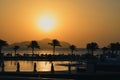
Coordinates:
<point>77,21</point>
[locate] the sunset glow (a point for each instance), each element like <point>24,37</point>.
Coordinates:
<point>74,21</point>
<point>46,23</point>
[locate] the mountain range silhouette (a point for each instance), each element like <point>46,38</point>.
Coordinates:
<point>43,45</point>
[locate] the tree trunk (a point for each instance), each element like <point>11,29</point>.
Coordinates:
<point>33,51</point>
<point>71,56</point>
<point>53,49</point>
<point>72,51</point>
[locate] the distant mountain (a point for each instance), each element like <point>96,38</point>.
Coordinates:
<point>43,44</point>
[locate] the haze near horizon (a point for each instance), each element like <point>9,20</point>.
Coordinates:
<point>75,21</point>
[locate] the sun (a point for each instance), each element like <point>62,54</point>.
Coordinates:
<point>46,23</point>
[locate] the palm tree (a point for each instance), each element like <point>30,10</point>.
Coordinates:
<point>33,45</point>
<point>88,47</point>
<point>92,47</point>
<point>115,47</point>
<point>119,49</point>
<point>54,43</point>
<point>72,48</point>
<point>15,48</point>
<point>112,47</point>
<point>2,43</point>
<point>104,49</point>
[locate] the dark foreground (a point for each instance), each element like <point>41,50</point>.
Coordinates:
<point>58,76</point>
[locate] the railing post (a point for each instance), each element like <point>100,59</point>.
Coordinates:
<point>3,69</point>
<point>18,67</point>
<point>52,68</point>
<point>69,68</point>
<point>35,67</point>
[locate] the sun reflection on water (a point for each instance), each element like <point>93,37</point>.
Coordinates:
<point>43,66</point>
<point>40,65</point>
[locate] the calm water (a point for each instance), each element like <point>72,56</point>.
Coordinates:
<point>41,65</point>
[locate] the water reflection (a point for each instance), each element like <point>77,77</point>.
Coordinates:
<point>40,65</point>
<point>43,66</point>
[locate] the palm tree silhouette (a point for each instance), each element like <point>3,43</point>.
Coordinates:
<point>104,49</point>
<point>54,43</point>
<point>2,43</point>
<point>118,47</point>
<point>92,47</point>
<point>72,48</point>
<point>15,48</point>
<point>115,47</point>
<point>33,45</point>
<point>112,47</point>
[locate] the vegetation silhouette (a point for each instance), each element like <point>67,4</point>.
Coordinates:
<point>115,48</point>
<point>72,48</point>
<point>2,43</point>
<point>92,47</point>
<point>15,48</point>
<point>54,43</point>
<point>33,45</point>
<point>104,49</point>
